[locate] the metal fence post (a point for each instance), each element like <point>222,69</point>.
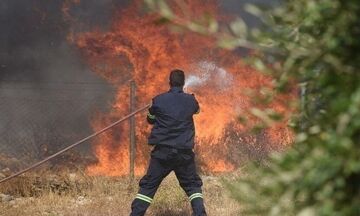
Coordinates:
<point>132,148</point>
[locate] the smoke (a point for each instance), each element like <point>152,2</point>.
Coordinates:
<point>48,95</point>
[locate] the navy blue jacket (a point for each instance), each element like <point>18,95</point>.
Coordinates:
<point>171,113</point>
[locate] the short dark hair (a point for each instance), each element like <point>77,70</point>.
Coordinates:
<point>177,78</point>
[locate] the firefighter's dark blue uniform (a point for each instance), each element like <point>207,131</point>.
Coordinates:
<point>173,135</point>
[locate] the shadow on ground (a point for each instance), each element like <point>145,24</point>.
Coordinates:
<point>172,213</point>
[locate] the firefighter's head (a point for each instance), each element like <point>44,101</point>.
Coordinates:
<point>177,78</point>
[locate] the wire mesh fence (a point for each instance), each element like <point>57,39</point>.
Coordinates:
<point>36,120</point>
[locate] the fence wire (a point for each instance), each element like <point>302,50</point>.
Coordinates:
<point>38,120</point>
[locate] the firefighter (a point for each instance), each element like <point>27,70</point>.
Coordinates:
<point>172,136</point>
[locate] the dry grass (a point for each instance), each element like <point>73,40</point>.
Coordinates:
<point>77,194</point>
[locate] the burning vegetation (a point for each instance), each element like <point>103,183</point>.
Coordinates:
<point>137,47</point>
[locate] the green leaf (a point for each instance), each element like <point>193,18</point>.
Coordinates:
<point>239,28</point>
<point>253,9</point>
<point>164,9</point>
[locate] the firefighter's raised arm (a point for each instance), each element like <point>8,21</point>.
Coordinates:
<point>151,113</point>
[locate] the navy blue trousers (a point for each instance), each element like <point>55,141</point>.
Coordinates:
<point>163,161</point>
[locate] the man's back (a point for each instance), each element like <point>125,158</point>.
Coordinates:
<point>172,115</point>
<point>173,135</point>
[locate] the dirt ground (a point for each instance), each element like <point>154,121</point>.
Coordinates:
<point>77,194</point>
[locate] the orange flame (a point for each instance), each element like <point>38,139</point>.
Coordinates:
<point>136,48</point>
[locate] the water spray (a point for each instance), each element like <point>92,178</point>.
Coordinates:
<point>207,72</point>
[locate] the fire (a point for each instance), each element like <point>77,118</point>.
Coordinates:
<point>136,48</point>
<point>221,166</point>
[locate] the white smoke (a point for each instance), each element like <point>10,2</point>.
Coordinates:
<point>207,73</point>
